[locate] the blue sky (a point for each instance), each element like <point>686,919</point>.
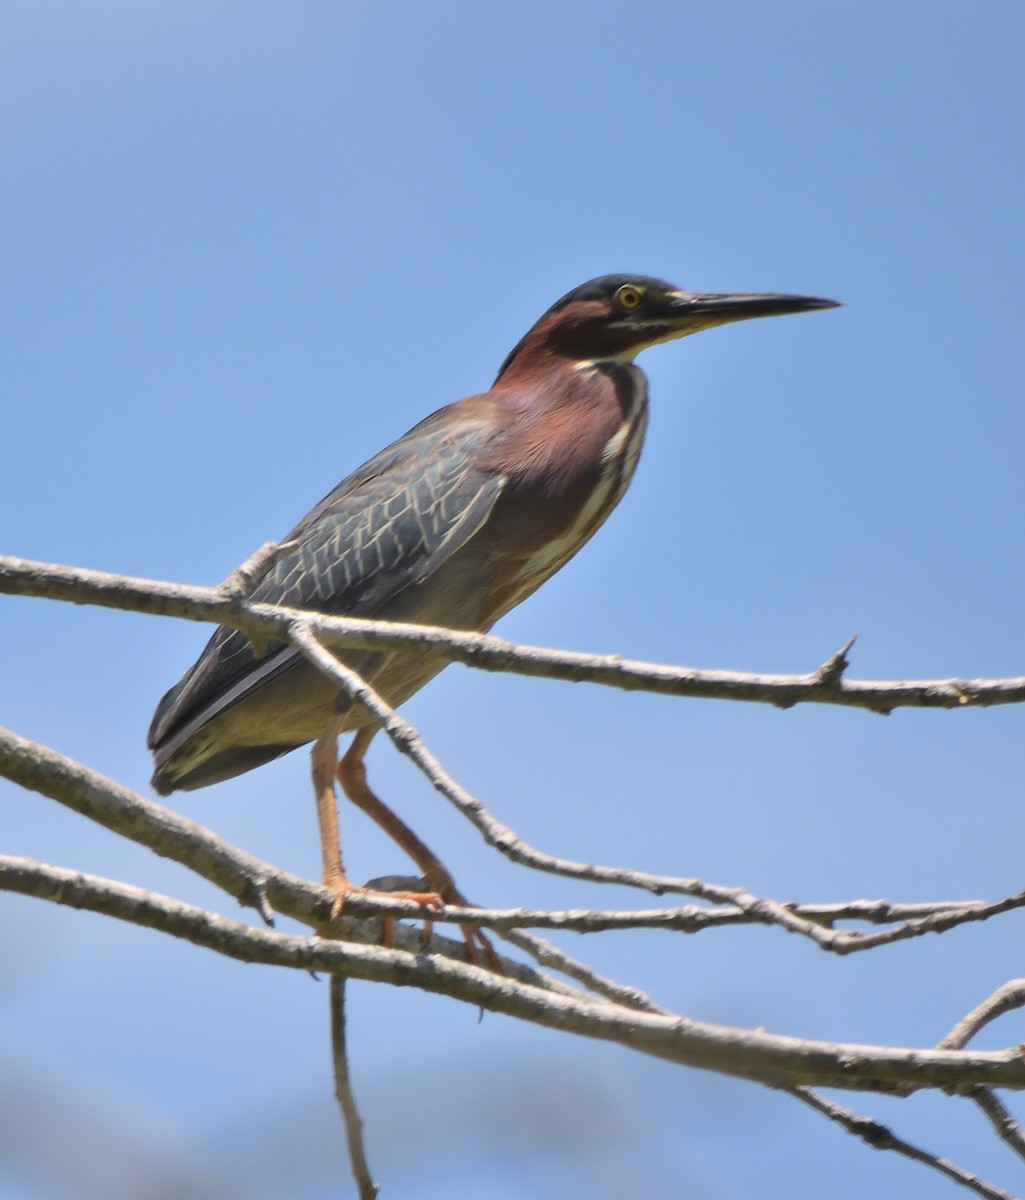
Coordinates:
<point>244,247</point>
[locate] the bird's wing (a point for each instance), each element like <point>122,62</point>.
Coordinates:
<point>387,527</point>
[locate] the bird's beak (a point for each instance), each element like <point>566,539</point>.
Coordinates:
<point>689,312</point>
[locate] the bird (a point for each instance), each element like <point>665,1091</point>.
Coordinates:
<point>454,524</point>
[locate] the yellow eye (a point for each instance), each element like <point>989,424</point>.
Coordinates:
<point>628,297</point>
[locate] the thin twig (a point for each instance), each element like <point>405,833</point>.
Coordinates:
<point>408,741</point>
<point>546,954</point>
<point>936,922</point>
<point>345,1095</point>
<point>242,582</point>
<point>883,912</point>
<point>873,1134</point>
<point>25,577</point>
<point>694,918</point>
<point>1007,997</point>
<point>1004,1125</point>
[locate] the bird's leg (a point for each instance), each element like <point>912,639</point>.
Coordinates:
<point>352,774</point>
<point>324,763</point>
<point>324,760</point>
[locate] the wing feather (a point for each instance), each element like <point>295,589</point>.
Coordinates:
<point>388,526</point>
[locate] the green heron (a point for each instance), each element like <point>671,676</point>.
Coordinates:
<point>453,524</point>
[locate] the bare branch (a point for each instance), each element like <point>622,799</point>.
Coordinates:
<point>248,879</point>
<point>1006,998</point>
<point>936,922</point>
<point>751,1054</point>
<point>548,955</point>
<point>693,918</point>
<point>345,1096</point>
<point>883,912</point>
<point>262,622</point>
<point>1004,1125</point>
<point>258,884</point>
<point>880,1138</point>
<point>242,582</point>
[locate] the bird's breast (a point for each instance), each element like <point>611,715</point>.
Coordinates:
<point>590,457</point>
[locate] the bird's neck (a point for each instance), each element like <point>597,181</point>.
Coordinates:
<point>564,424</point>
<point>540,385</point>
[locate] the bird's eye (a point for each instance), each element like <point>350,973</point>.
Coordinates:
<point>628,297</point>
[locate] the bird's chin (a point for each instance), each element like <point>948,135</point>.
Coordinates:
<point>695,324</point>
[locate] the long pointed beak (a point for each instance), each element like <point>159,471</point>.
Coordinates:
<point>689,312</point>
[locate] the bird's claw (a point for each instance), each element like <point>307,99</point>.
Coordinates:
<point>443,891</point>
<point>342,889</point>
<point>479,948</point>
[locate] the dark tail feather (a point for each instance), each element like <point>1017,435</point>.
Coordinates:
<point>226,765</point>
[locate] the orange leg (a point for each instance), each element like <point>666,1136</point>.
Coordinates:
<point>323,759</point>
<point>324,762</point>
<point>352,774</point>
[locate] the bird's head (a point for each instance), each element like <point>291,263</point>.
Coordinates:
<point>615,317</point>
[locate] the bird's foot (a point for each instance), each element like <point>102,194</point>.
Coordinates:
<point>342,889</point>
<point>479,947</point>
<point>439,890</point>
